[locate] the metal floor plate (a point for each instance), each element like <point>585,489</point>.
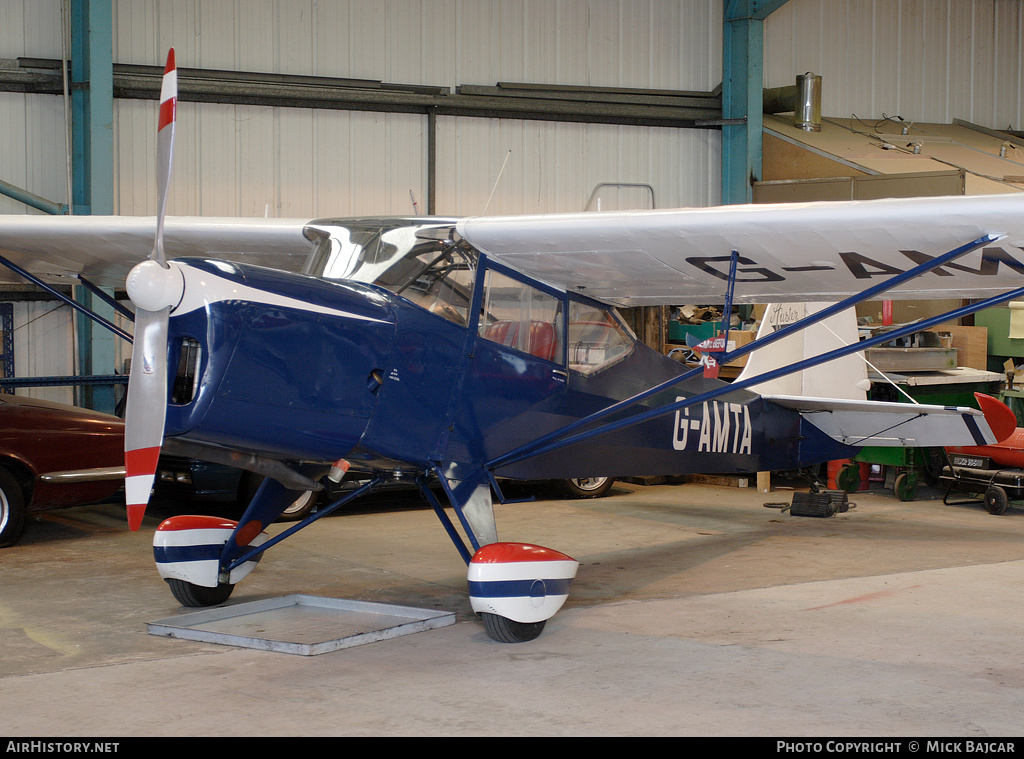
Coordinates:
<point>299,624</point>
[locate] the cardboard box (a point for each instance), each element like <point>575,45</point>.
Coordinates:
<point>737,339</point>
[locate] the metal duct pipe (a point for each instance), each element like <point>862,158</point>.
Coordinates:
<point>808,113</point>
<point>30,199</point>
<point>803,99</point>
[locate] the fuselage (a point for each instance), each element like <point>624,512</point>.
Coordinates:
<point>398,349</point>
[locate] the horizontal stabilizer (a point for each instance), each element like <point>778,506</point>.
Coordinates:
<point>874,423</point>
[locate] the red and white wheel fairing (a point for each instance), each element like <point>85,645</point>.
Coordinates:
<point>522,582</point>
<point>188,548</point>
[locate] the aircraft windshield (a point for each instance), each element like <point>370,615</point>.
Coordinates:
<point>416,259</point>
<point>408,257</point>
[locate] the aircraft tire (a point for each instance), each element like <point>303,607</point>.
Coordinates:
<point>586,487</point>
<point>996,501</point>
<point>12,509</point>
<point>198,596</point>
<point>505,630</point>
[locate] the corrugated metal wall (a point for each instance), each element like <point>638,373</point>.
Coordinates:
<point>32,154</point>
<point>919,59</point>
<point>285,162</point>
<point>922,60</point>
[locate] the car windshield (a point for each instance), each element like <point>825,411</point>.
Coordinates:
<point>409,257</point>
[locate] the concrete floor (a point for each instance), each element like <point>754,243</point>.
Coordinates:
<point>696,611</point>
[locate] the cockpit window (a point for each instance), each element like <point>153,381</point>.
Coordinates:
<point>596,339</point>
<point>439,278</point>
<point>415,260</point>
<point>522,317</point>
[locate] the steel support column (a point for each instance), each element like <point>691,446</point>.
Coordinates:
<point>92,169</point>
<point>742,95</point>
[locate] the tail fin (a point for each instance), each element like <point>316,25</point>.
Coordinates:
<point>843,378</point>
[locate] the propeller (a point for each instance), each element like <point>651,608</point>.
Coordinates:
<point>154,287</point>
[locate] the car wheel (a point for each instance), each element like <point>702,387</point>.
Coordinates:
<point>300,508</point>
<point>586,487</point>
<point>12,510</point>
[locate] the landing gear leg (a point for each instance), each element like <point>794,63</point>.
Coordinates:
<point>514,587</point>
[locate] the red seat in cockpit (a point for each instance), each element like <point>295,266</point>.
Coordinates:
<point>542,339</point>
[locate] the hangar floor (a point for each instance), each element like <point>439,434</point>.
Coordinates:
<point>696,611</point>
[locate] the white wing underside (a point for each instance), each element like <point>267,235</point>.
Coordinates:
<point>103,249</point>
<point>874,423</point>
<point>790,253</point>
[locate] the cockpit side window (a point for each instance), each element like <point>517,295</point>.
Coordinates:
<point>522,317</point>
<point>596,338</point>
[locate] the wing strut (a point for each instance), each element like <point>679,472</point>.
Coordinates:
<point>68,300</point>
<point>557,438</point>
<point>741,384</point>
<point>713,358</point>
<point>106,298</point>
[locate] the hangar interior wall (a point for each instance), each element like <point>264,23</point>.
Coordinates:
<point>921,59</point>
<point>925,60</point>
<point>241,160</point>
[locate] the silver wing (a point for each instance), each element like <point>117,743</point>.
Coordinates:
<point>791,252</point>
<point>104,248</point>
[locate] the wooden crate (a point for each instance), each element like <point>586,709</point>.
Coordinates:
<point>971,344</point>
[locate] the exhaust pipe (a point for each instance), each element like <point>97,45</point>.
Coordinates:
<point>803,99</point>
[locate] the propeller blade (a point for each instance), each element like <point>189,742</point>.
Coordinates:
<point>165,150</point>
<point>154,288</point>
<point>145,411</point>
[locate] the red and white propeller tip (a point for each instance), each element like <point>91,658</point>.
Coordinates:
<point>168,93</point>
<point>165,149</point>
<point>140,471</point>
<point>154,288</point>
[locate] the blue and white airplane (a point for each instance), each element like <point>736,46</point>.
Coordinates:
<point>461,351</point>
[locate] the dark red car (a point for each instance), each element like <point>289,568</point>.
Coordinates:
<point>53,456</point>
